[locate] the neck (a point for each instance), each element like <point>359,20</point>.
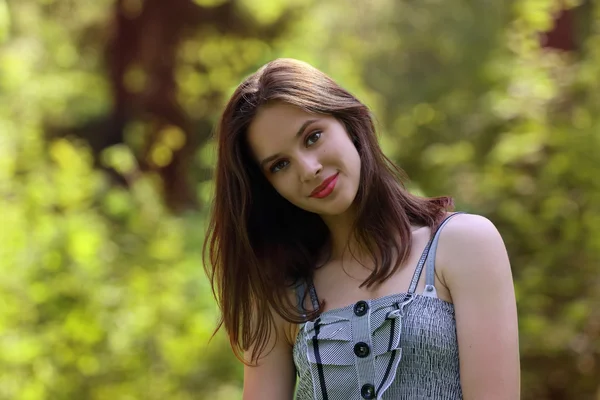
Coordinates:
<point>342,243</point>
<point>341,240</point>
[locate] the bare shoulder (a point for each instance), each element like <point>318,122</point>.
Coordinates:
<point>469,227</point>
<point>289,330</point>
<point>474,264</point>
<point>469,241</point>
<point>275,365</point>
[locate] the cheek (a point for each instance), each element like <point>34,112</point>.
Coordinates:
<point>353,165</point>
<point>350,157</point>
<point>284,188</point>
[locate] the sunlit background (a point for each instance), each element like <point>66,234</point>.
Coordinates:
<point>107,110</point>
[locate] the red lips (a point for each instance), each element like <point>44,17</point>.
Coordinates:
<point>325,188</point>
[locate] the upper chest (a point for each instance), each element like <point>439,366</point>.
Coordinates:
<point>339,282</point>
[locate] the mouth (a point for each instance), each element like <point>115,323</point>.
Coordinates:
<point>325,188</point>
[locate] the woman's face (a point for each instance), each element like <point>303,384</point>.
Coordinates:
<point>308,158</point>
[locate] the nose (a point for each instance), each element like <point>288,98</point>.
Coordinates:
<point>309,168</point>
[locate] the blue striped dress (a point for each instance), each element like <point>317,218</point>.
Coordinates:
<point>401,346</point>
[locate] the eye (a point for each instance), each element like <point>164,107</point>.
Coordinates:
<point>313,138</point>
<point>278,166</point>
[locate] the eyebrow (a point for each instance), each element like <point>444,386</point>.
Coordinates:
<point>298,134</point>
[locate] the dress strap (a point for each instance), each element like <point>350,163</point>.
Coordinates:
<point>301,289</point>
<point>430,266</point>
<point>313,295</point>
<point>426,255</point>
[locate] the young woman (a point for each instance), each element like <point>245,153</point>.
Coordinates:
<point>336,283</point>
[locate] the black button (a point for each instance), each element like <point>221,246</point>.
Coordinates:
<point>368,391</point>
<point>361,349</point>
<point>361,308</point>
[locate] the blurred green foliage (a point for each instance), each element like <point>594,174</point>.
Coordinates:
<point>103,294</point>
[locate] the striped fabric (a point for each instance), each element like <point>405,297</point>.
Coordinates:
<point>401,346</point>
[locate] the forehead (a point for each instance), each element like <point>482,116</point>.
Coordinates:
<point>274,126</point>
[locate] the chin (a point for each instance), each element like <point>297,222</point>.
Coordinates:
<point>339,208</point>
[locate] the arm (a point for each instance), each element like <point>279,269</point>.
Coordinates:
<point>476,269</point>
<point>274,376</point>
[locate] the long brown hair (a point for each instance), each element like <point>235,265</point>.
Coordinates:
<point>258,244</point>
